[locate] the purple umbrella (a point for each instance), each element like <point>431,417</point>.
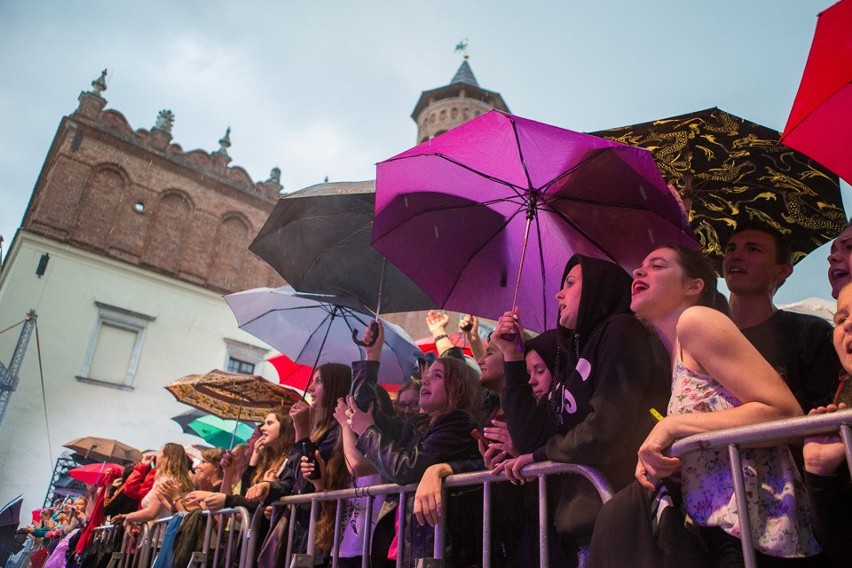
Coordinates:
<point>458,213</point>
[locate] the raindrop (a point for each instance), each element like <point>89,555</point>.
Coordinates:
<point>651,236</point>
<point>139,207</point>
<point>436,231</point>
<point>642,191</point>
<point>406,202</point>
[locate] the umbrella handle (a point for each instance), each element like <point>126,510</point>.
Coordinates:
<point>375,327</point>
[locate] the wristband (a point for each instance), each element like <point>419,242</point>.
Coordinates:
<point>442,336</point>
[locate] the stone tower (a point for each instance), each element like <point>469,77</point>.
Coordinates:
<point>441,109</point>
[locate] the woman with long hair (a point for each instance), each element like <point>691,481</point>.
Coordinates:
<point>719,381</point>
<point>268,448</point>
<point>173,469</point>
<point>402,450</point>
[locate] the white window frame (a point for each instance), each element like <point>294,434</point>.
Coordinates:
<point>245,352</point>
<point>123,319</point>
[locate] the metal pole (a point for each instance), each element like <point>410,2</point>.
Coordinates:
<point>742,505</point>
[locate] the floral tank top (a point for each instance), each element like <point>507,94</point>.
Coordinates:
<point>780,524</point>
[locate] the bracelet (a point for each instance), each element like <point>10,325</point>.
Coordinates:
<point>442,336</point>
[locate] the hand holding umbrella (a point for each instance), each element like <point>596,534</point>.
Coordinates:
<point>372,340</point>
<point>507,336</point>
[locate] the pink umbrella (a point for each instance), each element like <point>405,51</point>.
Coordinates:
<point>458,213</point>
<point>820,123</point>
<point>95,473</point>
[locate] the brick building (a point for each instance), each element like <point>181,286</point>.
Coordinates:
<point>125,250</point>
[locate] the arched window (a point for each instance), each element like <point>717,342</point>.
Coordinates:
<point>165,234</point>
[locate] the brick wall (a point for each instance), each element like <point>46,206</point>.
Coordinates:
<point>137,197</point>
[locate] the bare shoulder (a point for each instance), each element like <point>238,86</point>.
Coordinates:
<point>701,327</point>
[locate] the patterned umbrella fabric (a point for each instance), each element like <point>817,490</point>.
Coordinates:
<point>820,122</point>
<point>105,449</point>
<point>729,170</point>
<point>232,396</point>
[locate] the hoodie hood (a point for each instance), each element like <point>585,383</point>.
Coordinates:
<point>605,293</point>
<point>546,346</point>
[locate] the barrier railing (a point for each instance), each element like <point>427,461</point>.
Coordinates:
<point>484,478</point>
<point>779,432</point>
<point>227,541</point>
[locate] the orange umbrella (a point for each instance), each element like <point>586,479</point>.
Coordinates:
<point>232,396</point>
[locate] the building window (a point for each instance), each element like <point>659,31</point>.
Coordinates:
<point>242,357</point>
<point>115,346</point>
<point>237,366</point>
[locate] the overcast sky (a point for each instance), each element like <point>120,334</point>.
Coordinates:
<point>325,88</point>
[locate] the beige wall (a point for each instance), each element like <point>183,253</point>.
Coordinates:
<point>187,336</point>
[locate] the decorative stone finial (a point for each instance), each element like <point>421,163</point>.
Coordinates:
<point>224,143</point>
<point>275,178</point>
<point>165,121</point>
<point>99,85</point>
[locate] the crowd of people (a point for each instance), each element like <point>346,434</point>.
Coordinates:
<point>636,362</point>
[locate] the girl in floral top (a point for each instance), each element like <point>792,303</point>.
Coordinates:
<point>719,381</point>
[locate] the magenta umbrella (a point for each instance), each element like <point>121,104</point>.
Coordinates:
<point>458,213</point>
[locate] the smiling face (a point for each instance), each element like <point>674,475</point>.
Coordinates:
<point>540,375</point>
<point>843,328</point>
<point>569,297</point>
<point>433,391</point>
<point>840,262</point>
<point>271,428</point>
<point>659,286</point>
<point>751,264</point>
<point>491,374</point>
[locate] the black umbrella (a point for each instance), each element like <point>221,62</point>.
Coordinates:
<point>729,170</point>
<point>318,239</point>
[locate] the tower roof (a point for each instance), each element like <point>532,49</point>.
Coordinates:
<point>464,75</point>
<point>463,84</point>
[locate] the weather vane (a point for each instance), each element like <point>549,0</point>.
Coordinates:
<point>461,47</point>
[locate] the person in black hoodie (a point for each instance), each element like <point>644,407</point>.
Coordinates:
<point>611,371</point>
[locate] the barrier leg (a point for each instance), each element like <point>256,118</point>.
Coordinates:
<point>742,505</point>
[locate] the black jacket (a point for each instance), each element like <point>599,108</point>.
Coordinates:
<point>612,370</point>
<point>402,450</point>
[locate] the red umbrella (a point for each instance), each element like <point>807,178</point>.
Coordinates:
<point>291,374</point>
<point>95,473</point>
<point>296,376</point>
<point>820,123</point>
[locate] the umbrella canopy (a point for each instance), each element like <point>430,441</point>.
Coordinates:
<point>820,122</point>
<point>312,329</point>
<point>184,418</point>
<point>104,449</point>
<point>219,432</point>
<point>10,513</point>
<point>96,473</point>
<point>452,212</point>
<point>290,373</point>
<point>318,239</point>
<point>230,395</point>
<point>729,170</point>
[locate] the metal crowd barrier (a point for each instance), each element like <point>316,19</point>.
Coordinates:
<point>226,544</point>
<point>778,432</point>
<point>484,478</point>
